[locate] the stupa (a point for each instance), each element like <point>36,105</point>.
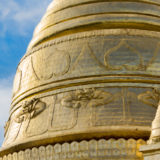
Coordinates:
<point>87,87</point>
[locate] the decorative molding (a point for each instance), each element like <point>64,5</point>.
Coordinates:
<point>90,34</point>
<point>119,149</point>
<point>60,5</point>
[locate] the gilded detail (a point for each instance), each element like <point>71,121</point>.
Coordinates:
<point>29,109</point>
<point>91,73</point>
<point>91,97</point>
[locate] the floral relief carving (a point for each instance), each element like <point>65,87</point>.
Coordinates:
<point>30,109</point>
<point>27,111</point>
<point>86,97</point>
<point>151,98</point>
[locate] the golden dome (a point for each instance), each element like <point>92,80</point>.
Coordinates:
<point>90,72</point>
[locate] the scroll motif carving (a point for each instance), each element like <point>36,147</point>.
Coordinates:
<point>29,109</point>
<point>151,98</point>
<point>86,97</point>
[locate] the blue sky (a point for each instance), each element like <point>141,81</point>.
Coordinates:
<point>18,19</point>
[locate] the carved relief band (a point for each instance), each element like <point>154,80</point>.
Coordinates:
<point>98,53</point>
<point>87,108</point>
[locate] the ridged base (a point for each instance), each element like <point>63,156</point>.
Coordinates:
<point>102,149</point>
